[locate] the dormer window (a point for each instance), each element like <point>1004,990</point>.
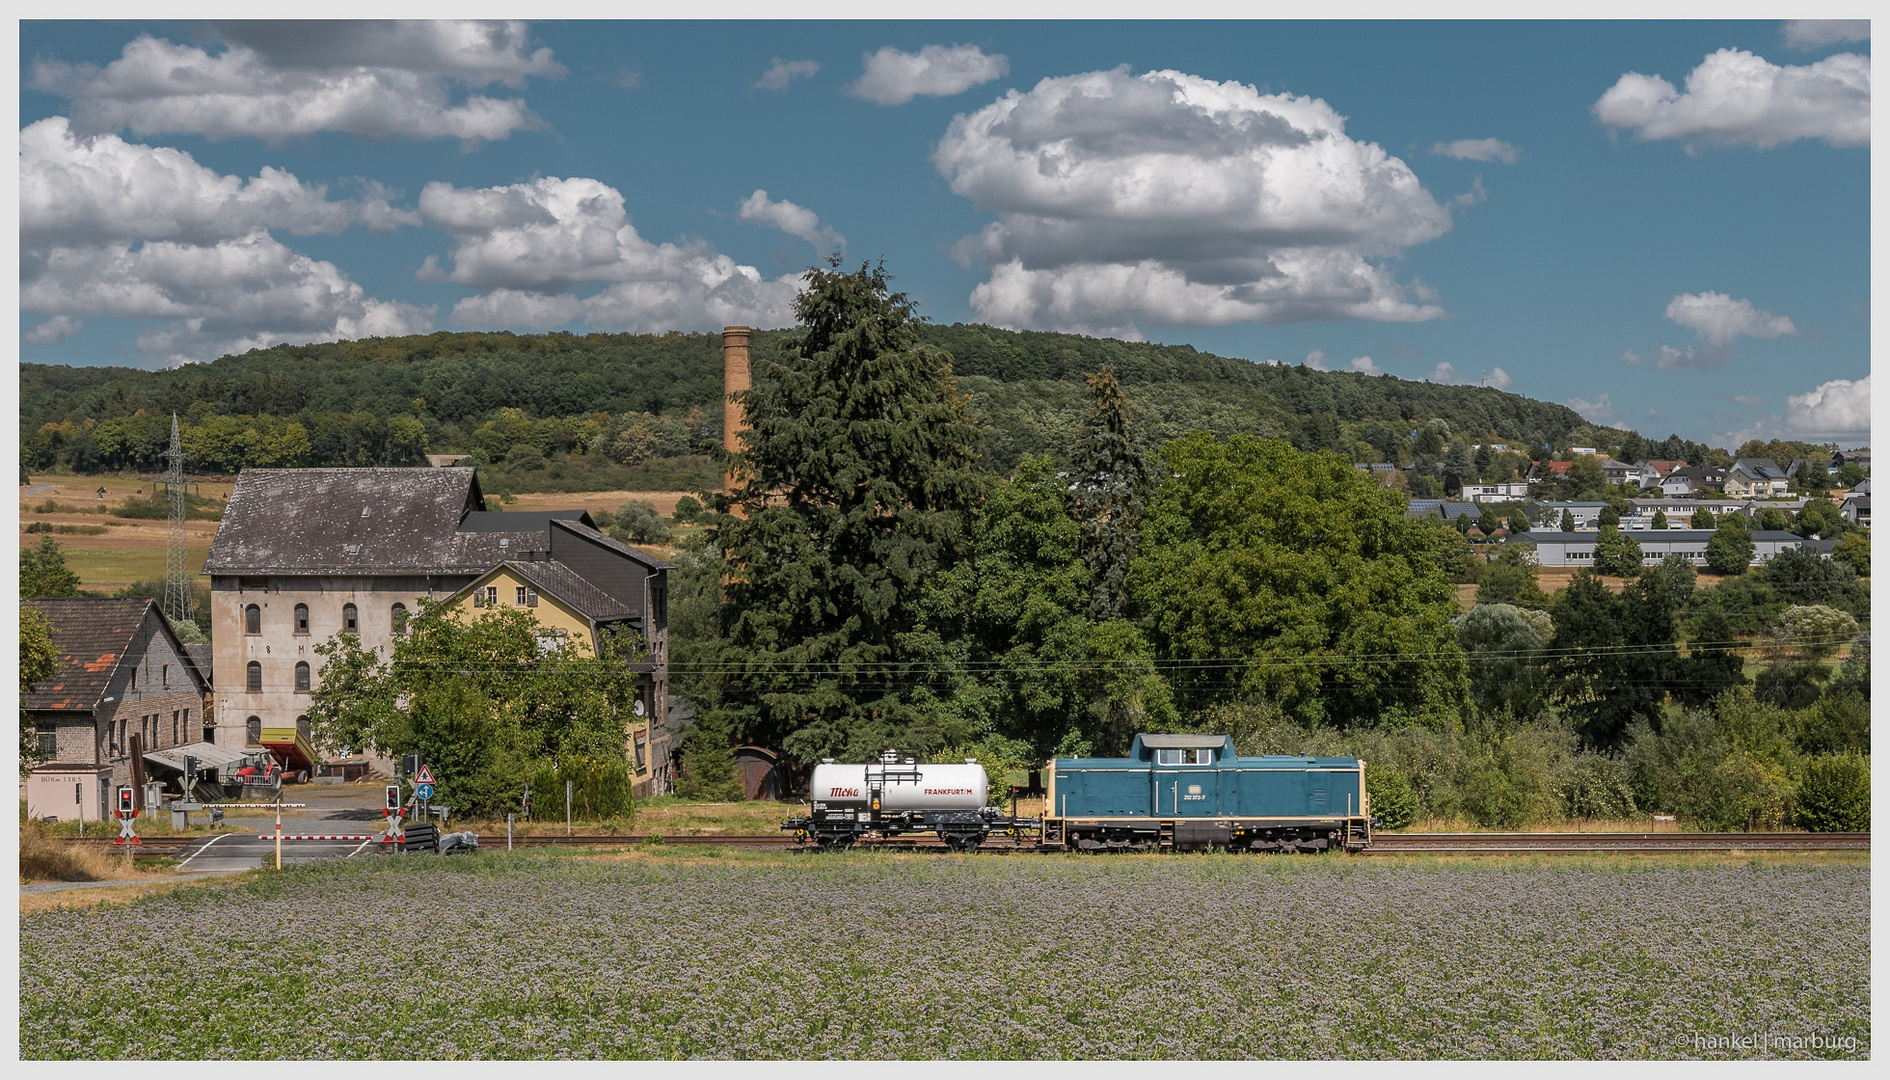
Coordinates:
<point>364,511</point>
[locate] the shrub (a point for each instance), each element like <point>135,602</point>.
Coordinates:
<point>708,765</point>
<point>525,458</point>
<point>640,522</point>
<point>1596,786</point>
<point>1389,792</point>
<point>688,509</point>
<point>1743,794</point>
<point>1834,795</point>
<point>1853,550</point>
<point>600,790</point>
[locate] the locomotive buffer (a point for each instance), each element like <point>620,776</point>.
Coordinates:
<point>895,796</point>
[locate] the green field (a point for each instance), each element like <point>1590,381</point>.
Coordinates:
<point>695,953</point>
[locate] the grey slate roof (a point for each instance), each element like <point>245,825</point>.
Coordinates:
<point>358,521</point>
<point>613,544</point>
<point>201,656</point>
<point>553,578</point>
<point>509,521</point>
<point>93,637</point>
<point>1760,468</point>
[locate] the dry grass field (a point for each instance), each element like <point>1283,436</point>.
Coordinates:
<point>126,550</point>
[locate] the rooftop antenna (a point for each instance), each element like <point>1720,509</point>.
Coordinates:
<point>176,555</point>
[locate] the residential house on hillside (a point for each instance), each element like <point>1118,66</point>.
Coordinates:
<point>124,682</point>
<point>1661,468</point>
<point>1622,472</point>
<point>1856,505</point>
<point>1495,493</point>
<point>1677,485</point>
<point>1548,515</point>
<point>304,554</point>
<point>1704,477</point>
<point>1859,457</point>
<point>1381,471</point>
<point>1756,478</point>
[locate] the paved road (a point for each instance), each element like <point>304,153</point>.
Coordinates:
<point>246,851</point>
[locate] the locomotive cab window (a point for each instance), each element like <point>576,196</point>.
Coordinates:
<point>1184,757</point>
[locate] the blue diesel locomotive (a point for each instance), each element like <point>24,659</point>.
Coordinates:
<point>1180,792</point>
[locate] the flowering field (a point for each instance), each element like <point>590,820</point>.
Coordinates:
<point>879,955</point>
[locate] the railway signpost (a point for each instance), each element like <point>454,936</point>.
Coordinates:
<point>127,814</point>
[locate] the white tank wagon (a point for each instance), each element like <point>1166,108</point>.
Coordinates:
<point>894,796</point>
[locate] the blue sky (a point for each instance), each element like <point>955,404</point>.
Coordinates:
<point>1518,203</point>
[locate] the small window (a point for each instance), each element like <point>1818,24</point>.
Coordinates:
<point>134,678</point>
<point>48,744</point>
<point>518,596</point>
<point>165,672</point>
<point>492,595</point>
<point>641,766</point>
<point>252,620</point>
<point>177,728</point>
<point>252,729</point>
<point>301,675</point>
<point>1184,757</point>
<point>350,619</point>
<point>255,675</point>
<point>301,726</point>
<point>301,618</point>
<point>399,618</point>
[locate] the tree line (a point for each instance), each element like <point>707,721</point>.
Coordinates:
<point>864,586</point>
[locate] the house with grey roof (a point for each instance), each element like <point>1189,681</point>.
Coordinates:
<point>304,554</point>
<point>1756,478</point>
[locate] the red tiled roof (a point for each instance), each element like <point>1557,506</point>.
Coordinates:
<point>92,636</point>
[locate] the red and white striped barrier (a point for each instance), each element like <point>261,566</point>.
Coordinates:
<point>321,836</point>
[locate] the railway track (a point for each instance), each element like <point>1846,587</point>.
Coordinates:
<point>1382,844</point>
<point>1592,843</point>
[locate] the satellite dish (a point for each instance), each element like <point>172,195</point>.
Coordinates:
<point>638,707</point>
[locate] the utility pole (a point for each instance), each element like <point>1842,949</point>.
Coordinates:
<point>176,552</point>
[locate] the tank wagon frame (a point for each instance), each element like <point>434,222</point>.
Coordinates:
<point>896,796</point>
<point>1181,792</point>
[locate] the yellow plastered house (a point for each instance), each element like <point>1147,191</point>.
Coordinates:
<point>573,614</point>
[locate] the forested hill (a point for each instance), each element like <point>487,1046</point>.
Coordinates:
<point>389,394</point>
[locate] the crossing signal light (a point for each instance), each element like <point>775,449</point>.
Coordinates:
<point>393,796</point>
<point>125,805</point>
<point>410,765</point>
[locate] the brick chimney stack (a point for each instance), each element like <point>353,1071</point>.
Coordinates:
<point>735,379</point>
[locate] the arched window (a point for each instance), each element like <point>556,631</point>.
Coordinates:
<point>350,619</point>
<point>301,726</point>
<point>301,618</point>
<point>252,620</point>
<point>400,618</point>
<point>301,675</point>
<point>255,675</point>
<point>253,730</point>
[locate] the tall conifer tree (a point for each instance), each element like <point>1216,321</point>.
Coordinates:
<point>854,484</point>
<point>1112,482</point>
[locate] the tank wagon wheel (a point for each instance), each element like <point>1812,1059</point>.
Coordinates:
<point>834,843</point>
<point>962,842</point>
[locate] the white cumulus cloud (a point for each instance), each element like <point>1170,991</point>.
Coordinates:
<point>1717,321</point>
<point>1171,199</point>
<point>1836,408</point>
<point>279,80</point>
<point>1364,365</point>
<point>793,219</point>
<point>1478,150</point>
<point>532,244</point>
<point>1499,379</point>
<point>1735,98</point>
<point>1443,373</point>
<point>1817,33</point>
<point>782,72</point>
<point>1315,360</point>
<point>116,229</point>
<point>53,330</point>
<point>892,77</point>
<point>77,189</point>
<point>1598,411</point>
<point>1717,318</point>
